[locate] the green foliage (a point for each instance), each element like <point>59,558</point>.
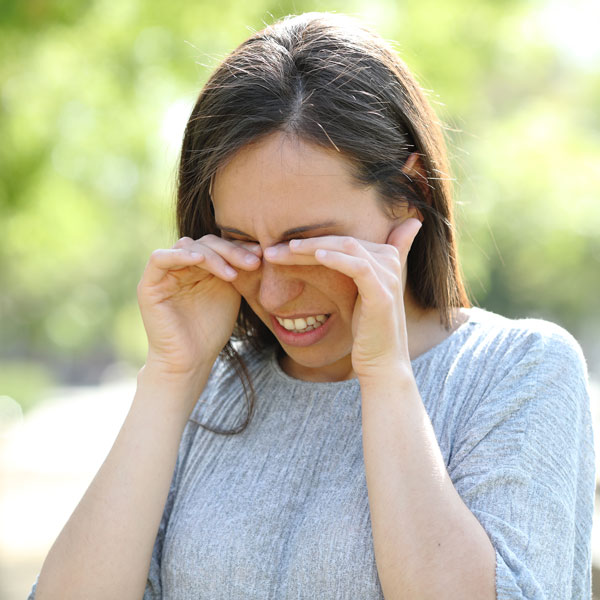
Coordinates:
<point>24,381</point>
<point>93,102</point>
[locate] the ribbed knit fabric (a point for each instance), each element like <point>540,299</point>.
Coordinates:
<point>281,510</point>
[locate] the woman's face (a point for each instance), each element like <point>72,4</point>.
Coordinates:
<point>282,183</point>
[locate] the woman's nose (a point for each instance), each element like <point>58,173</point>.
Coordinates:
<point>278,286</point>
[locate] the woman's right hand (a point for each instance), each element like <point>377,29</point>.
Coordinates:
<point>188,304</point>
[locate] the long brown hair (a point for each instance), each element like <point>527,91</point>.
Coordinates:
<point>332,81</point>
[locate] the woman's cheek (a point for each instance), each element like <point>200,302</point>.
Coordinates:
<point>246,282</point>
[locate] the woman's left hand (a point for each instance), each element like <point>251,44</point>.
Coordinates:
<point>378,322</point>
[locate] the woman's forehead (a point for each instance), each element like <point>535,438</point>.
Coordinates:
<point>285,211</point>
<point>280,187</point>
<point>282,162</point>
<point>283,175</point>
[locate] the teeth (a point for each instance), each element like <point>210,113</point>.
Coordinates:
<point>299,325</point>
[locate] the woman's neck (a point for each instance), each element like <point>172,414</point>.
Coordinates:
<point>424,326</point>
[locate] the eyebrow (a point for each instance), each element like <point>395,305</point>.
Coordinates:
<point>287,233</point>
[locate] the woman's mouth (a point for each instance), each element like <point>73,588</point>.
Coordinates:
<point>301,331</point>
<point>302,325</point>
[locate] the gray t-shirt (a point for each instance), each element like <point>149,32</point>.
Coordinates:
<point>281,510</point>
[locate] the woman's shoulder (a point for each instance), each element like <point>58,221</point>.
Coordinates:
<point>517,377</point>
<point>524,330</point>
<point>530,340</point>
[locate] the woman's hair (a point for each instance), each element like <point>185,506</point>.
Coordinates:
<point>329,80</point>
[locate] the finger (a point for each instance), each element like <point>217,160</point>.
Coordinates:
<point>374,285</point>
<point>251,246</point>
<point>214,262</point>
<point>281,254</point>
<point>243,255</point>
<point>164,260</point>
<point>183,242</point>
<point>198,255</point>
<point>301,252</point>
<point>251,249</point>
<point>341,243</point>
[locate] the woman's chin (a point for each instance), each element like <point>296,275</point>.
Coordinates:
<point>303,365</point>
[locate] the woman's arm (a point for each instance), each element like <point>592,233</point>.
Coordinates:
<point>427,542</point>
<point>104,550</point>
<point>520,471</point>
<point>189,308</point>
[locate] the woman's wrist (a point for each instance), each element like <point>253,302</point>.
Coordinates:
<point>169,390</point>
<point>398,376</point>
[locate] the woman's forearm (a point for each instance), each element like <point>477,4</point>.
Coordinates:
<point>427,542</point>
<point>104,550</point>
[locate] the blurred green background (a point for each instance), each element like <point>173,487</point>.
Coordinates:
<point>94,98</point>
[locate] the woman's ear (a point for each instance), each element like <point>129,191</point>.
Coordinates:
<point>414,212</point>
<point>413,169</point>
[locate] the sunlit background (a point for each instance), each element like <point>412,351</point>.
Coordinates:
<point>93,101</point>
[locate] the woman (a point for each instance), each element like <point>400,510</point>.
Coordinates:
<point>395,442</point>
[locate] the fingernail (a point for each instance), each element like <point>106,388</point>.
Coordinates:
<point>251,259</point>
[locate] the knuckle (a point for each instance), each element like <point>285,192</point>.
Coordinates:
<point>182,242</point>
<point>350,244</point>
<point>155,255</point>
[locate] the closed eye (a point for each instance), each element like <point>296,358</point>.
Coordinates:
<point>298,236</point>
<point>289,234</point>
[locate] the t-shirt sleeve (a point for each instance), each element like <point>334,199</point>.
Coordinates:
<point>523,462</point>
